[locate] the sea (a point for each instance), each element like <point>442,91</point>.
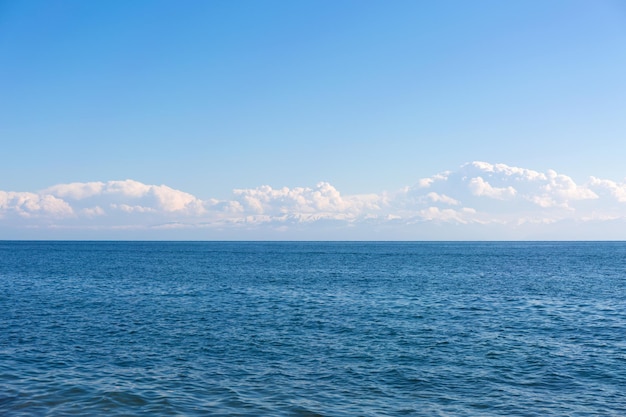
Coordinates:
<point>312,328</point>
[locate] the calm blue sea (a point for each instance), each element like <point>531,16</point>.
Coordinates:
<point>312,329</point>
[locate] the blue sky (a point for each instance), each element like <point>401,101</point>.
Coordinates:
<point>370,97</point>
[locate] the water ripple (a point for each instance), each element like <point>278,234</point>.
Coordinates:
<point>312,329</point>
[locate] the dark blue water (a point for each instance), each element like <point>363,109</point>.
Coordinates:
<point>312,329</point>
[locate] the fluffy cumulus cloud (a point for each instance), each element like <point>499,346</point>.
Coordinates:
<point>616,190</point>
<point>304,203</point>
<point>512,185</point>
<point>489,200</point>
<point>32,205</point>
<point>128,196</point>
<point>480,187</point>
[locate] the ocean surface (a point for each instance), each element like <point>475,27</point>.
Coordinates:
<point>312,329</point>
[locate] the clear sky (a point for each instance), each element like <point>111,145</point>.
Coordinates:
<point>367,97</point>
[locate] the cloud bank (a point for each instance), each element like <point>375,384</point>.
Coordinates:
<point>478,201</point>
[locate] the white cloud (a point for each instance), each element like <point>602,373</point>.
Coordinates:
<point>172,200</point>
<point>480,187</point>
<point>515,184</point>
<point>442,198</point>
<point>477,194</point>
<point>93,211</point>
<point>462,216</point>
<point>322,201</point>
<point>543,200</point>
<point>26,204</point>
<point>557,190</point>
<point>132,209</point>
<point>617,190</point>
<point>127,188</point>
<point>427,182</point>
<point>75,190</point>
<point>120,195</point>
<point>566,189</point>
<point>508,171</point>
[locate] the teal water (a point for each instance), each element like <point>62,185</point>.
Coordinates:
<point>312,329</point>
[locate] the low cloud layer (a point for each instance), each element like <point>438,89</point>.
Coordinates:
<point>479,200</point>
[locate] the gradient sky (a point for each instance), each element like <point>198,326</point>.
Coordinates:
<point>366,96</point>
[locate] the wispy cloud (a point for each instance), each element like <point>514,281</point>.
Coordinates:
<point>491,196</point>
